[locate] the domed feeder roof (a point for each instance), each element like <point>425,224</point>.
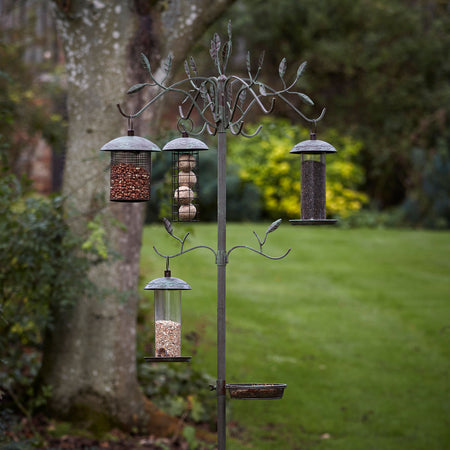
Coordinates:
<point>185,144</point>
<point>130,143</point>
<point>313,145</point>
<point>167,283</point>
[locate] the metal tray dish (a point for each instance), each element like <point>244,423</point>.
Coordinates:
<point>255,391</point>
<point>168,359</point>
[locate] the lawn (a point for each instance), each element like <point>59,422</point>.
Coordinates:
<point>355,322</point>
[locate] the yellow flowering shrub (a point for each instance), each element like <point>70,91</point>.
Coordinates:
<point>265,161</point>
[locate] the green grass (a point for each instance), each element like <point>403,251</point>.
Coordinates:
<point>355,322</point>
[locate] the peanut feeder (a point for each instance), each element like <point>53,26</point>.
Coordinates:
<point>131,167</point>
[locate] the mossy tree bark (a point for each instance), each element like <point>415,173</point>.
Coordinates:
<point>90,354</point>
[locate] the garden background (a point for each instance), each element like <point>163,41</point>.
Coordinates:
<point>363,342</point>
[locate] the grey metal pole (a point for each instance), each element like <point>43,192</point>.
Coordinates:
<point>221,271</point>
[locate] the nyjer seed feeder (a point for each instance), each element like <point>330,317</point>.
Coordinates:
<point>131,167</point>
<point>167,318</point>
<point>313,181</point>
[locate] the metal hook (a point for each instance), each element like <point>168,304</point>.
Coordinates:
<point>123,114</point>
<point>312,133</point>
<point>167,263</point>
<point>181,127</point>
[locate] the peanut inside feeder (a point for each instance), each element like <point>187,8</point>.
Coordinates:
<point>131,167</point>
<point>185,173</point>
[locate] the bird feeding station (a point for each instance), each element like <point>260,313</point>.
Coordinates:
<point>313,181</point>
<point>131,167</point>
<point>222,104</point>
<point>167,317</point>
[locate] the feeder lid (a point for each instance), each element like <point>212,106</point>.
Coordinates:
<point>167,283</point>
<point>130,143</point>
<point>185,143</point>
<point>313,145</point>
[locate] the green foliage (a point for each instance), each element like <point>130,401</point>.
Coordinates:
<point>428,204</point>
<point>27,108</point>
<point>381,68</point>
<point>179,390</point>
<point>41,269</point>
<point>265,161</point>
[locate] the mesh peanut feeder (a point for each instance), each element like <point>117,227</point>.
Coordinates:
<point>131,167</point>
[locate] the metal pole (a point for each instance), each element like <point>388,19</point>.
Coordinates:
<point>221,270</point>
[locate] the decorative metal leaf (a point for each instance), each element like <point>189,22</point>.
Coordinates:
<point>262,89</point>
<point>186,69</point>
<point>193,66</point>
<point>282,68</point>
<point>229,30</point>
<point>247,60</point>
<point>168,64</point>
<point>301,69</point>
<point>215,47</point>
<point>261,59</point>
<point>136,88</point>
<point>168,226</point>
<point>146,63</point>
<point>305,98</point>
<point>226,52</point>
<point>242,97</point>
<point>273,226</point>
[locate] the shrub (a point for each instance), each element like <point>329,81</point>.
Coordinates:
<point>41,267</point>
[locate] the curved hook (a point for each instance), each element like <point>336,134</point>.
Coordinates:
<point>181,126</point>
<point>123,114</point>
<point>271,106</point>
<point>239,130</point>
<point>253,134</point>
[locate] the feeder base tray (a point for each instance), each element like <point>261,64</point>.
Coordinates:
<point>255,391</point>
<point>313,222</point>
<point>126,200</point>
<point>168,359</point>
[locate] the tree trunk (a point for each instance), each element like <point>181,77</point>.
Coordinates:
<point>90,354</point>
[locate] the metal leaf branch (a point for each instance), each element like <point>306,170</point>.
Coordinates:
<point>182,251</point>
<point>241,94</point>
<point>271,228</point>
<point>169,230</point>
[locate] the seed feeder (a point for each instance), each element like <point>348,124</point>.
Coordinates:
<point>185,172</point>
<point>313,181</point>
<point>167,318</point>
<point>131,167</point>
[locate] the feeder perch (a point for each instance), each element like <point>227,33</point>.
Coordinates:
<point>313,181</point>
<point>131,167</point>
<point>167,318</point>
<point>185,172</point>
